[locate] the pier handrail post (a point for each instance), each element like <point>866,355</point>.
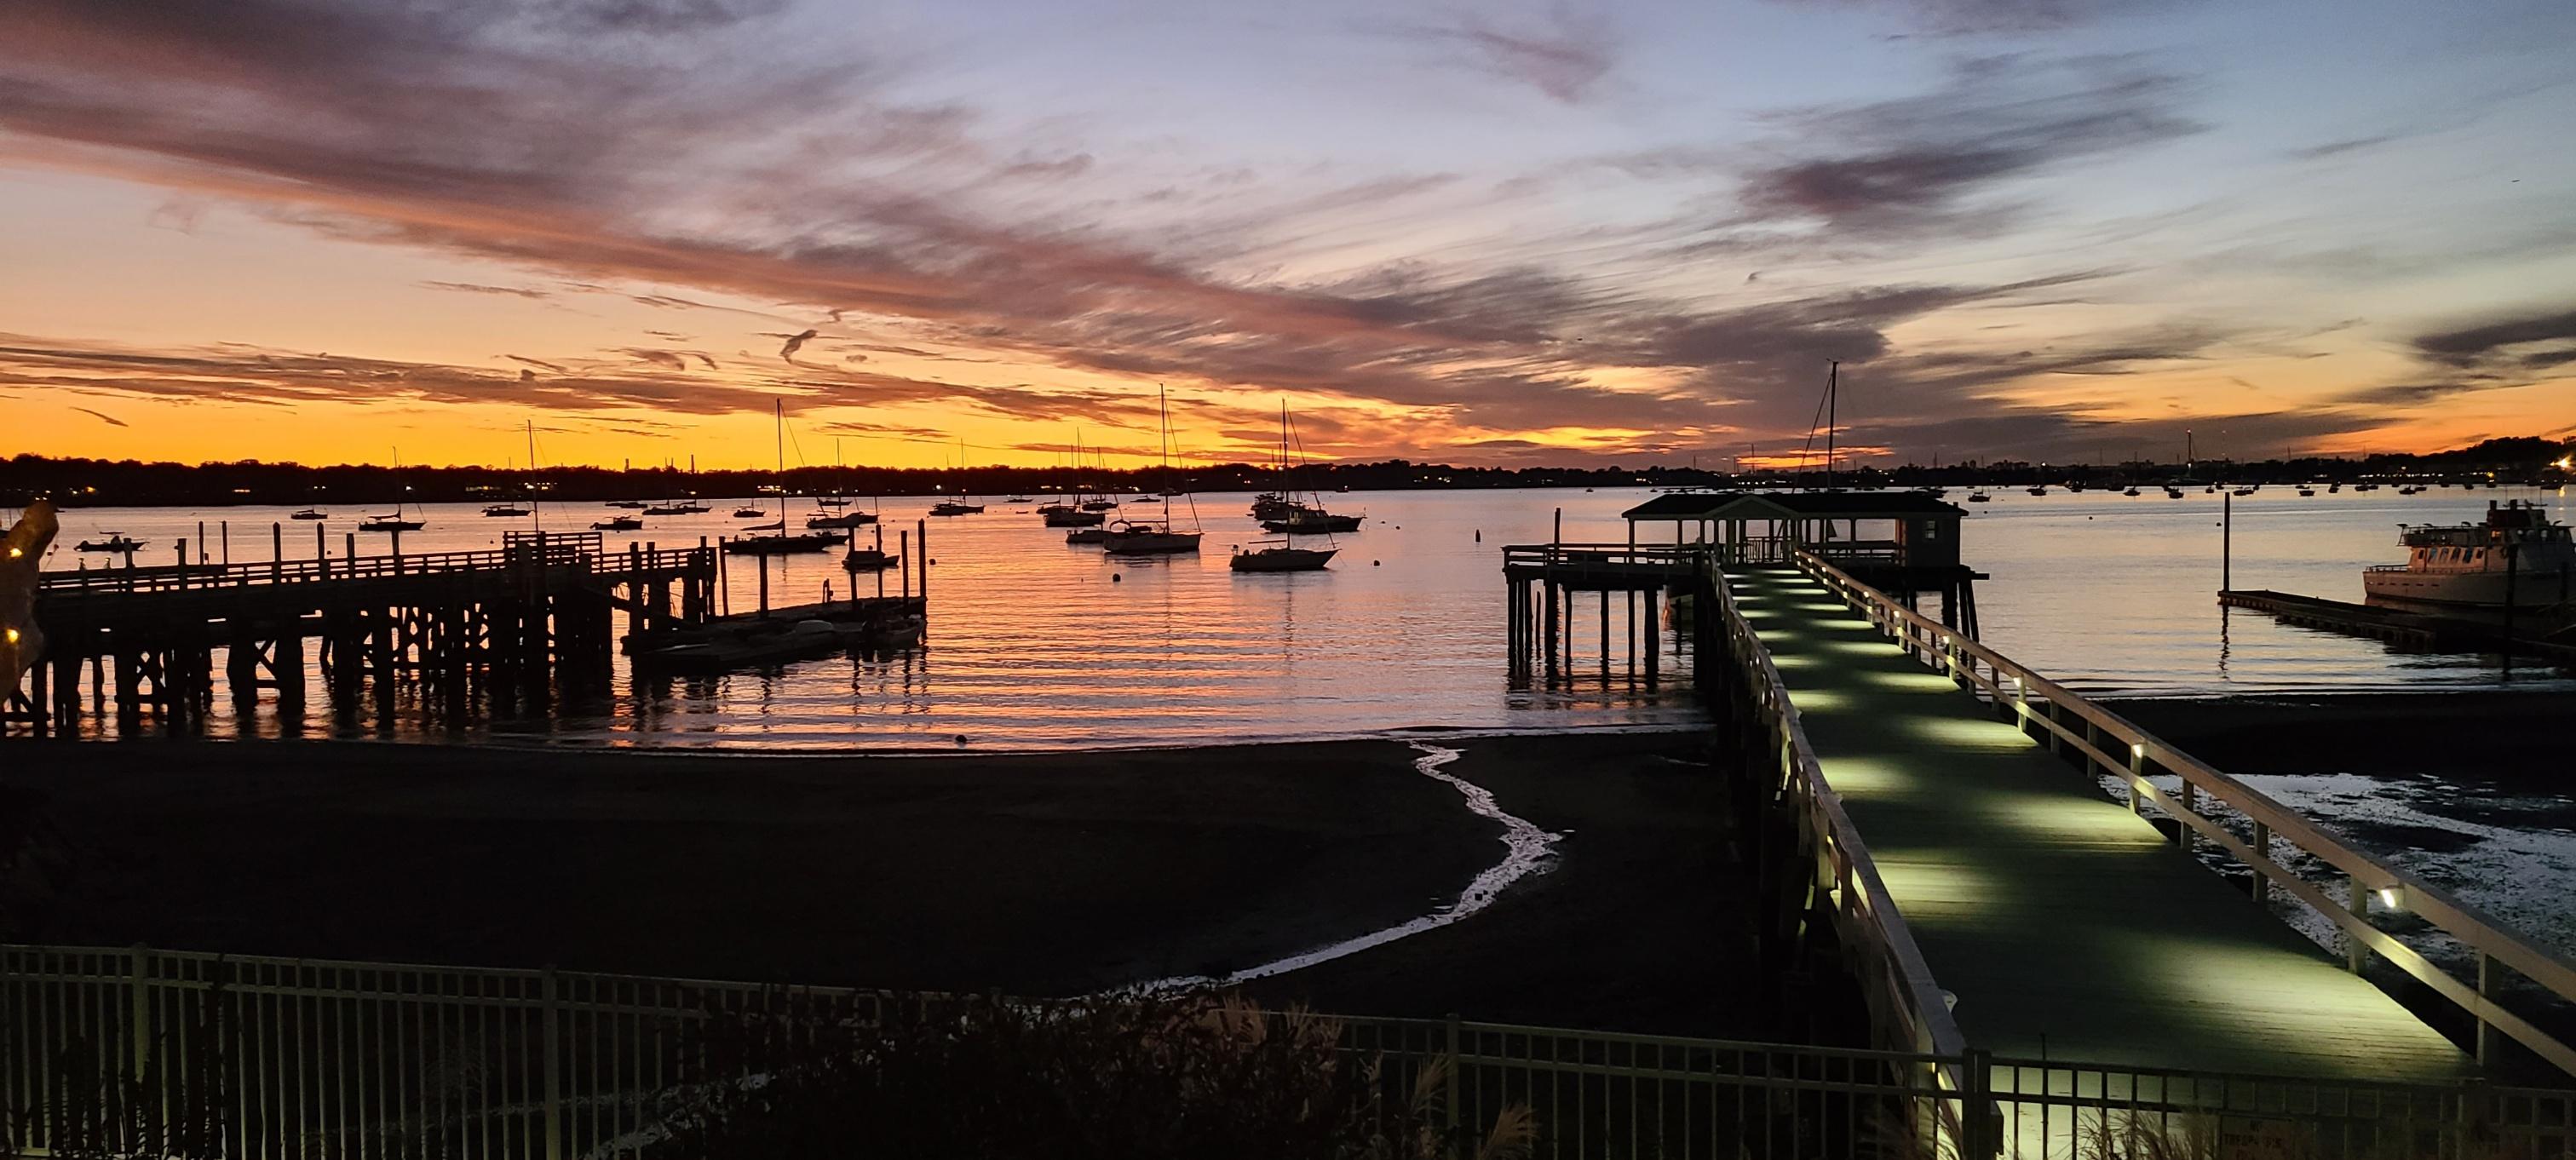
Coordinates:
<point>2263,860</point>
<point>2357,901</point>
<point>2137,772</point>
<point>2486,993</point>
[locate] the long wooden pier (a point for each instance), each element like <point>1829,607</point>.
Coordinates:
<point>2011,870</point>
<point>514,626</point>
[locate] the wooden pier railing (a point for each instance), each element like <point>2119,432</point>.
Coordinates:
<point>1907,1008</point>
<point>2209,805</point>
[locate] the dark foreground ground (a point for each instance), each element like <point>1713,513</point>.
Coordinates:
<point>1030,874</point>
<point>2518,736</point>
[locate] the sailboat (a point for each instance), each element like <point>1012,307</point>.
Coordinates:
<point>824,516</point>
<point>1067,511</point>
<point>783,544</point>
<point>1154,537</point>
<point>512,508</point>
<point>394,522</point>
<point>959,506</point>
<point>1283,555</point>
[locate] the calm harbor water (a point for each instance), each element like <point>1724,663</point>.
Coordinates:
<point>1034,644</point>
<point>1037,644</point>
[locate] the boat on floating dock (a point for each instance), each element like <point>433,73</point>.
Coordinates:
<point>783,635</point>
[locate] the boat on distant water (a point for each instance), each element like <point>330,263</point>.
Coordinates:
<point>950,507</point>
<point>114,542</point>
<point>633,505</point>
<point>670,509</point>
<point>1100,505</point>
<point>1313,521</point>
<point>310,514</point>
<point>781,544</point>
<point>1019,499</point>
<point>504,509</point>
<point>1982,497</point>
<point>1153,537</point>
<point>394,522</point>
<point>2040,490</point>
<point>1091,535</point>
<point>2306,491</point>
<point>617,524</point>
<point>843,520</point>
<point>1283,554</point>
<point>867,560</point>
<point>2516,552</point>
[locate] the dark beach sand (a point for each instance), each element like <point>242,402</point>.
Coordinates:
<point>1030,874</point>
<point>2497,735</point>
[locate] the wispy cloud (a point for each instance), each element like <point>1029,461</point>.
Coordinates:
<point>1562,51</point>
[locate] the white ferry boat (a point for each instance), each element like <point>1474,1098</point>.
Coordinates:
<point>2468,567</point>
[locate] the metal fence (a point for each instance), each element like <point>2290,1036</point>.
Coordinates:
<point>187,1054</point>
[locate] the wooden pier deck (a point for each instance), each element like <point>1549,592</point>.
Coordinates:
<point>2066,925</point>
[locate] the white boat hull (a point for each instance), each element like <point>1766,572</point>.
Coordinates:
<point>2531,590</point>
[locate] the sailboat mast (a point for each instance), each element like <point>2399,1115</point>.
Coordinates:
<point>1833,389</point>
<point>778,428</point>
<point>536,514</point>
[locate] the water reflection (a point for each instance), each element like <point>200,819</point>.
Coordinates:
<point>1032,642</point>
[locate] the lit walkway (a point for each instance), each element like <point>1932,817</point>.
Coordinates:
<point>2061,921</point>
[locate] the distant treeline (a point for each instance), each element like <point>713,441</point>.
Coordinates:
<point>128,483</point>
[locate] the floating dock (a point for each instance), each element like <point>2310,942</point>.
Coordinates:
<point>2412,630</point>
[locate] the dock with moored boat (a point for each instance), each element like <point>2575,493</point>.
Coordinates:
<point>2419,631</point>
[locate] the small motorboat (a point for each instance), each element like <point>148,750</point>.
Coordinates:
<point>391,523</point>
<point>114,542</point>
<point>832,501</point>
<point>1090,535</point>
<point>772,526</point>
<point>2042,490</point>
<point>310,514</point>
<point>2173,493</point>
<point>2131,491</point>
<point>635,505</point>
<point>504,509</point>
<point>868,560</point>
<point>950,507</point>
<point>618,524</point>
<point>2306,492</point>
<point>1019,499</point>
<point>1280,557</point>
<point>1981,497</point>
<point>748,513</point>
<point>667,509</point>
<point>1065,517</point>
<point>1100,505</point>
<point>844,520</point>
<point>747,647</point>
<point>690,508</point>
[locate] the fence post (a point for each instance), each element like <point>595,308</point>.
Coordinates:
<point>2262,858</point>
<point>1976,1099</point>
<point>554,1066</point>
<point>2357,900</point>
<point>2137,772</point>
<point>1456,1065</point>
<point>138,987</point>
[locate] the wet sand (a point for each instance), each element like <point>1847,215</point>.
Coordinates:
<point>2521,736</point>
<point>1026,873</point>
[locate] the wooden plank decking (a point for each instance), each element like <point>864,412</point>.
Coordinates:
<point>2062,922</point>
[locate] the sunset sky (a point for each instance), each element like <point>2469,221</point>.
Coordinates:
<point>1503,233</point>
